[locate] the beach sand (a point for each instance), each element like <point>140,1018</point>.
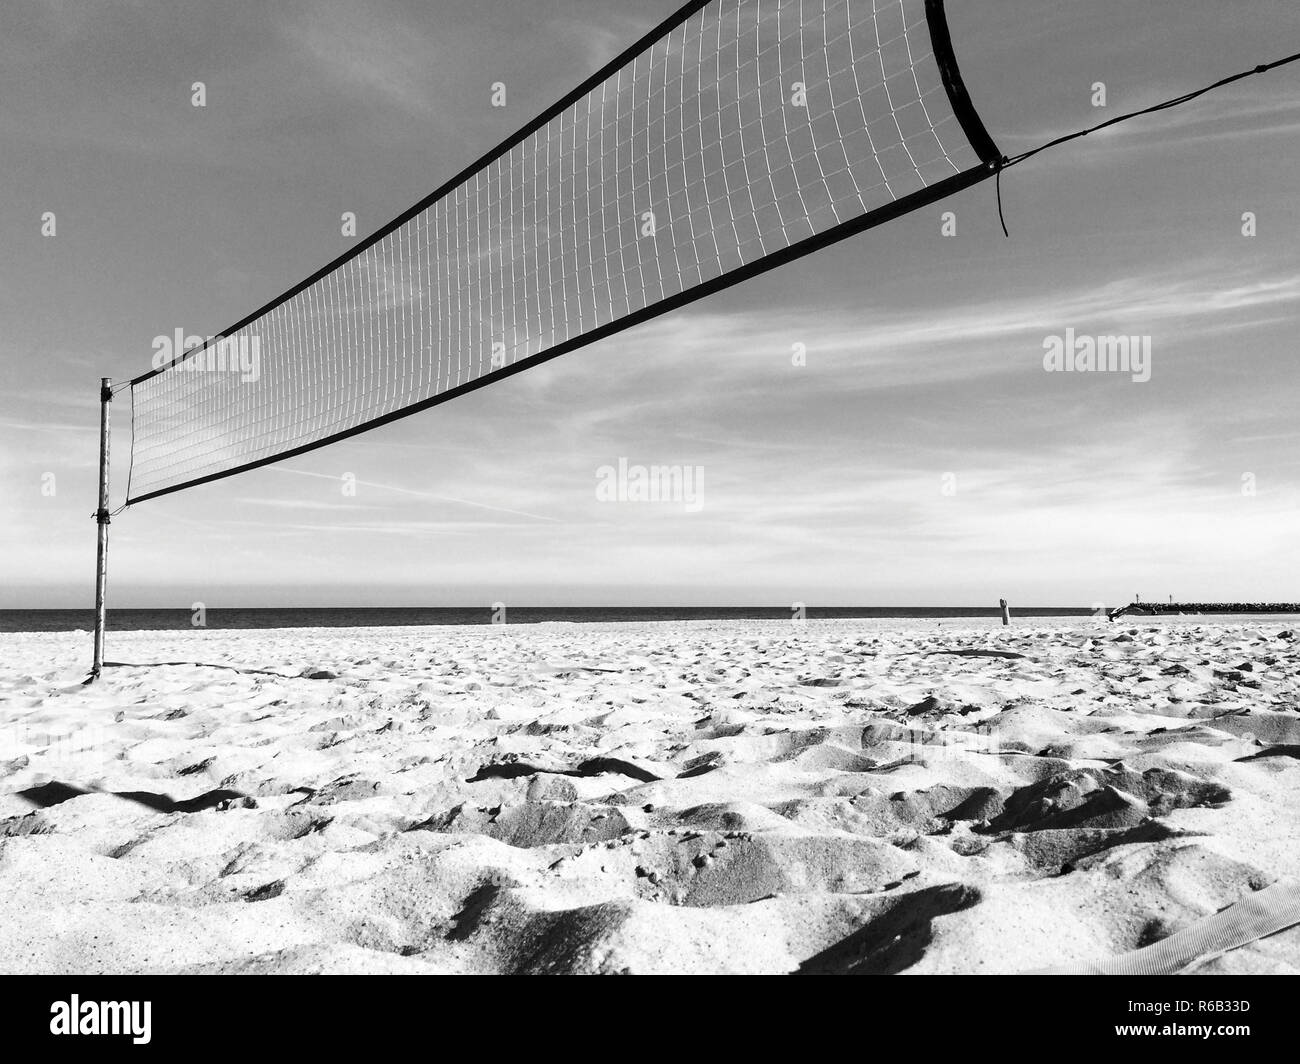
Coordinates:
<point>839,796</point>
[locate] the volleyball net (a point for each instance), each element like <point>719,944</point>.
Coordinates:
<point>736,136</point>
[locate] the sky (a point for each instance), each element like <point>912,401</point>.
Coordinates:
<point>921,455</point>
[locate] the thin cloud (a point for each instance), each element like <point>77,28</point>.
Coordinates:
<point>398,490</point>
<point>364,49</point>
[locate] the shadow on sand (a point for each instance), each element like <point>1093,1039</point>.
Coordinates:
<point>896,939</point>
<point>55,793</point>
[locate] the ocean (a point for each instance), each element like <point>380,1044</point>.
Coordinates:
<point>352,616</point>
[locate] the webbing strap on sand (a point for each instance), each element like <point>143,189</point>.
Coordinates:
<point>1254,917</point>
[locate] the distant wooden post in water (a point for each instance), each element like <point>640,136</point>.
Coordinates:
<point>1006,611</point>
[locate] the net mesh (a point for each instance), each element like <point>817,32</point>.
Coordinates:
<point>744,130</point>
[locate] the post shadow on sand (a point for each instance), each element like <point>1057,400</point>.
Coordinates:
<point>318,674</point>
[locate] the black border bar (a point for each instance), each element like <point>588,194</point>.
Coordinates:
<point>334,1017</point>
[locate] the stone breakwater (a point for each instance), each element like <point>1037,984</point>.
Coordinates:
<point>1155,608</point>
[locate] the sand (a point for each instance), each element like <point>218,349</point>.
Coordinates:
<point>841,796</point>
